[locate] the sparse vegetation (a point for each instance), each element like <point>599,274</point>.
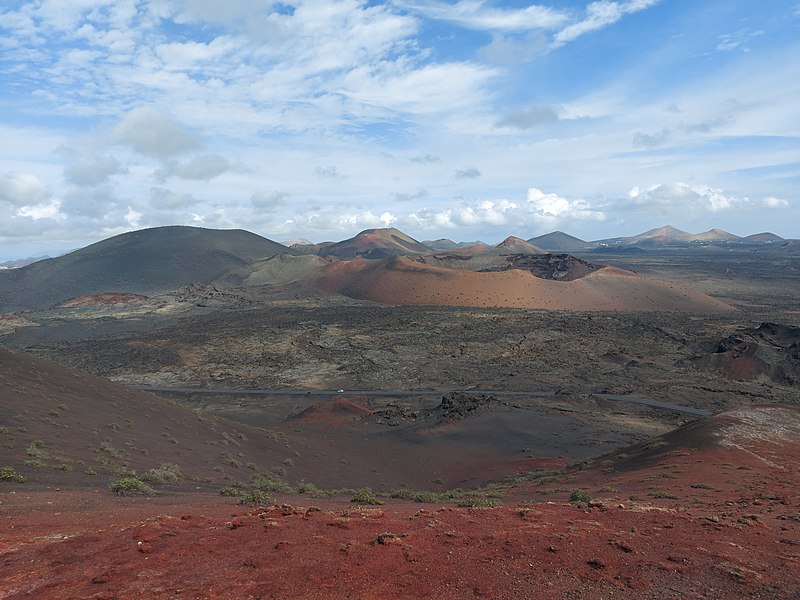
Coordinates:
<point>663,495</point>
<point>130,486</point>
<point>265,483</point>
<point>580,497</point>
<point>257,498</point>
<point>36,449</point>
<point>10,474</point>
<point>166,473</point>
<point>366,496</point>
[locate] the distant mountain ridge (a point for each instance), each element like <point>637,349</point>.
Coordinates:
<point>162,259</point>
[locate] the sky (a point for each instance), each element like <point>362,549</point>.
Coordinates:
<point>468,120</point>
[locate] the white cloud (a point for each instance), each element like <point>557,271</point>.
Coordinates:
<point>598,15</point>
<point>772,202</point>
<point>476,14</point>
<point>558,207</point>
<point>22,189</point>
<point>429,89</point>
<point>49,210</point>
<point>152,132</point>
<point>681,198</point>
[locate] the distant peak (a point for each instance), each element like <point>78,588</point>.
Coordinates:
<point>512,240</point>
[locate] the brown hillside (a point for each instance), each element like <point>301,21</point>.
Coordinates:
<point>61,428</point>
<point>406,281</point>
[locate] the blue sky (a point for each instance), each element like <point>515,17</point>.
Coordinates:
<point>468,120</point>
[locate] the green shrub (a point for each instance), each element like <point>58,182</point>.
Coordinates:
<point>365,496</point>
<point>264,483</point>
<point>257,498</point>
<point>477,502</point>
<point>307,488</point>
<point>231,491</point>
<point>130,486</point>
<point>9,474</point>
<point>36,449</point>
<point>166,473</point>
<point>579,497</point>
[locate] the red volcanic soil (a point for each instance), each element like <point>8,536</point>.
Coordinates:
<point>405,281</point>
<point>715,515</point>
<point>331,414</point>
<point>102,299</point>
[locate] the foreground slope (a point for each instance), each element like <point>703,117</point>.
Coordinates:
<point>404,280</point>
<point>147,262</point>
<point>66,429</point>
<point>730,531</point>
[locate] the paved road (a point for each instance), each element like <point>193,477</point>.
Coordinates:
<point>406,393</point>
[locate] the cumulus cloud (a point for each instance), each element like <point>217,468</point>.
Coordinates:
<point>558,207</point>
<point>468,215</point>
<point>772,202</point>
<point>677,198</point>
<point>468,173</point>
<point>529,117</point>
<point>22,189</point>
<point>537,209</point>
<point>155,133</point>
<point>330,219</point>
<point>49,210</point>
<point>92,170</point>
<point>201,168</point>
<point>598,15</point>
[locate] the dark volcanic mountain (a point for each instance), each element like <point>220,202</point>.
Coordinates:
<point>376,243</point>
<point>148,261</point>
<point>558,241</point>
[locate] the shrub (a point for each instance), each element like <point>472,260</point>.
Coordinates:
<point>257,498</point>
<point>579,497</point>
<point>166,473</point>
<point>231,491</point>
<point>478,502</point>
<point>36,449</point>
<point>307,488</point>
<point>426,497</point>
<point>130,486</point>
<point>264,483</point>
<point>9,474</point>
<point>365,496</point>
